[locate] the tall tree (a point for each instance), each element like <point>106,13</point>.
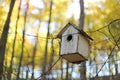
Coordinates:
<point>4,36</point>
<point>81,26</point>
<point>23,40</point>
<point>61,69</point>
<point>52,54</point>
<point>67,73</point>
<point>81,19</point>
<point>46,46</point>
<point>71,71</point>
<point>34,52</point>
<point>14,42</point>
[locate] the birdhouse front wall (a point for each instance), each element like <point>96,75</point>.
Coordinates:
<point>69,41</point>
<point>83,46</point>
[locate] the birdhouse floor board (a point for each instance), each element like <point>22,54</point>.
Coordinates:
<point>74,58</point>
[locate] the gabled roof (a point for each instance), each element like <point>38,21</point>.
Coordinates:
<point>80,31</point>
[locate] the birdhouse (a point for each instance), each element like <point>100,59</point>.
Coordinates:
<point>74,46</point>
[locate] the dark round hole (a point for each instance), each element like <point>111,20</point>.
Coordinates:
<point>69,37</point>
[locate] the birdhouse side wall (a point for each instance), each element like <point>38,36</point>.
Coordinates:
<point>69,41</point>
<point>84,46</point>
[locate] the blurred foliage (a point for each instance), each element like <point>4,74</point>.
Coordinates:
<point>98,13</point>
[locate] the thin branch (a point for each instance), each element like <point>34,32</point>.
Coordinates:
<point>47,72</point>
<point>112,34</point>
<point>104,26</point>
<point>107,58</point>
<point>23,40</point>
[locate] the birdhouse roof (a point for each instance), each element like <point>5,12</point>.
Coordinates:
<point>80,31</point>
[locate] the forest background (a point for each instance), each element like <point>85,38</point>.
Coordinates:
<point>29,48</point>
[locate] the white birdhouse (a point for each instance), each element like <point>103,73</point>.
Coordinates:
<point>75,46</point>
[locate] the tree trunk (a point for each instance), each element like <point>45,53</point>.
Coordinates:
<point>27,72</point>
<point>13,47</point>
<point>81,26</point>
<point>67,73</point>
<point>52,55</point>
<point>34,52</point>
<point>46,46</point>
<point>6,61</point>
<point>81,20</point>
<point>96,66</point>
<point>61,69</point>
<point>33,58</point>
<point>23,40</point>
<point>71,71</point>
<point>116,65</point>
<point>4,36</point>
<point>83,71</point>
